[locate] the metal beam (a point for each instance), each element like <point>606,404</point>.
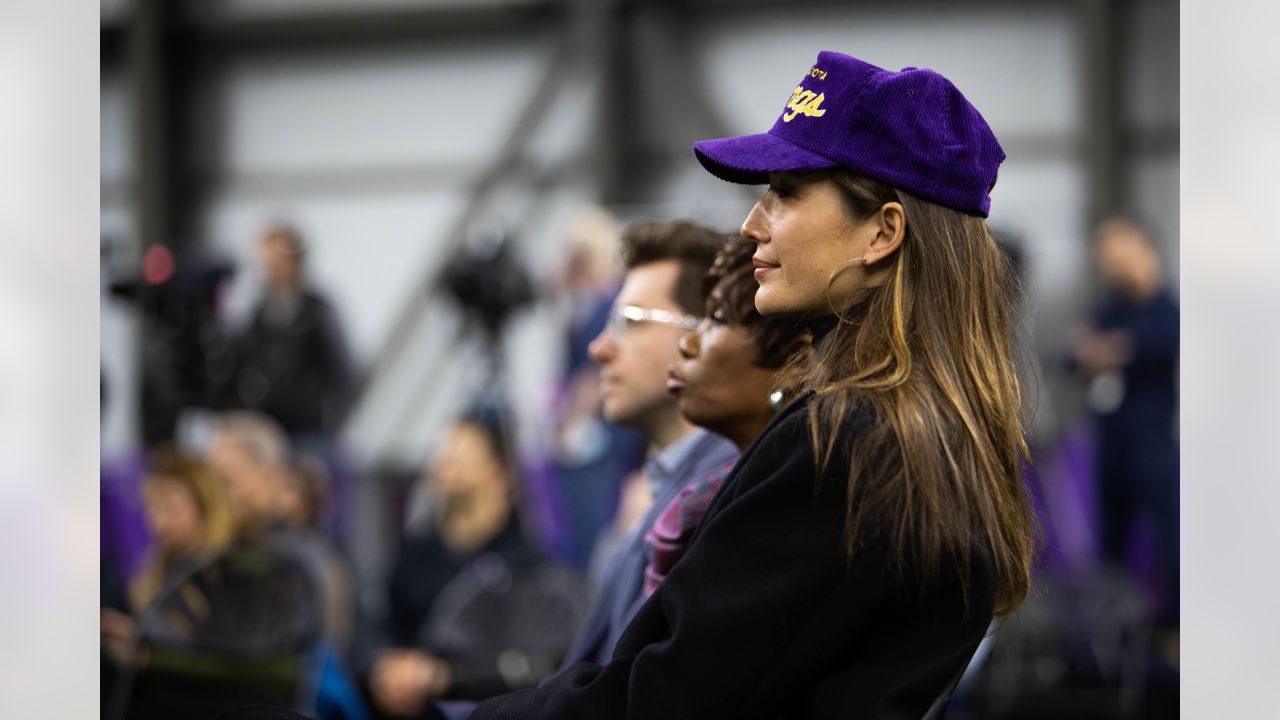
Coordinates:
<point>662,38</point>
<point>354,181</point>
<point>509,153</point>
<point>1103,56</point>
<point>145,57</point>
<point>113,43</point>
<point>371,28</point>
<point>617,104</point>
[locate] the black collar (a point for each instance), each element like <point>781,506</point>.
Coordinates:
<point>821,327</point>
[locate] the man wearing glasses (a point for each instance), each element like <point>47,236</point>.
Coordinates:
<point>661,299</point>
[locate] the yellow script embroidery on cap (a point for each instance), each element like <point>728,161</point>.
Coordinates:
<point>804,102</point>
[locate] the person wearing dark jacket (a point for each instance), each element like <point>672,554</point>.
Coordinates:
<point>461,593</point>
<point>854,557</point>
<point>294,364</point>
<point>1129,353</point>
<point>731,380</point>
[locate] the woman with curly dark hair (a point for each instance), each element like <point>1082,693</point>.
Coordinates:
<point>731,379</point>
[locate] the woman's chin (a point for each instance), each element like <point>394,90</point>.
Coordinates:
<point>771,304</point>
<point>768,304</point>
<point>695,414</point>
<point>710,425</point>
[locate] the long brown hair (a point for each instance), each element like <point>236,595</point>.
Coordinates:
<point>929,353</point>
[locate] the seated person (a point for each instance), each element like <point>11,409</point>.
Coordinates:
<point>731,379</point>
<point>189,519</point>
<point>303,492</point>
<point>447,572</point>
<point>274,501</point>
<point>229,622</point>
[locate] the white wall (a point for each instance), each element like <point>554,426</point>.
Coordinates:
<point>119,323</point>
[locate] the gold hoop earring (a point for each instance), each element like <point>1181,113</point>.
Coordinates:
<point>832,279</point>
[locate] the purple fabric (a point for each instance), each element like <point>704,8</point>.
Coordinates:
<point>674,526</point>
<point>544,509</point>
<point>911,129</point>
<point>123,531</point>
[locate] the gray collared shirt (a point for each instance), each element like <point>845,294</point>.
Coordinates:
<point>668,471</point>
<point>660,466</point>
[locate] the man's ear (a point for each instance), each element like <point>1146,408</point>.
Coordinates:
<point>891,227</point>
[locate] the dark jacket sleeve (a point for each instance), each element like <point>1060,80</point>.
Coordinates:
<point>1155,335</point>
<point>764,598</point>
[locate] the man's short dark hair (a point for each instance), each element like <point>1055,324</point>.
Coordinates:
<point>688,243</point>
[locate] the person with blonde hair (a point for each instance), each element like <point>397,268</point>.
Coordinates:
<point>190,521</point>
<point>189,518</point>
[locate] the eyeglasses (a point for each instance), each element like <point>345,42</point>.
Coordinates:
<point>623,315</point>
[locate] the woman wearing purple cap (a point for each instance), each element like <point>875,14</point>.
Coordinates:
<point>854,557</point>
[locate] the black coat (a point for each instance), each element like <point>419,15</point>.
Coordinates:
<point>296,368</point>
<point>766,616</point>
<point>424,565</point>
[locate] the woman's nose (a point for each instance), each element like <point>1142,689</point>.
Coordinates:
<point>688,343</point>
<point>754,228</point>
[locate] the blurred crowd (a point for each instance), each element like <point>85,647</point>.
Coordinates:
<point>227,568</point>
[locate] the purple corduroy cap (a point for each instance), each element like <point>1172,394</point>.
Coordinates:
<point>910,129</point>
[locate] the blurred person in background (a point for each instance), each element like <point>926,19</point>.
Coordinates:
<point>189,519</point>
<point>731,380</point>
<point>590,278</point>
<point>251,452</point>
<point>293,359</point>
<point>1129,354</point>
<point>304,493</point>
<point>591,456</point>
<point>293,362</point>
<point>278,497</point>
<point>440,624</point>
<point>469,488</point>
<point>270,602</point>
<point>276,501</point>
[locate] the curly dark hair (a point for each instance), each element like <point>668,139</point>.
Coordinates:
<point>732,273</point>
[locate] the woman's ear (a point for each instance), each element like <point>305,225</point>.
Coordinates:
<point>891,227</point>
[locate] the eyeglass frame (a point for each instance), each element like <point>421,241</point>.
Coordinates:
<point>618,317</point>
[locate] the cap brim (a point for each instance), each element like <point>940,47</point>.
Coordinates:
<point>748,159</point>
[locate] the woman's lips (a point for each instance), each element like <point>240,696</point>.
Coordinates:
<point>675,383</point>
<point>763,268</point>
